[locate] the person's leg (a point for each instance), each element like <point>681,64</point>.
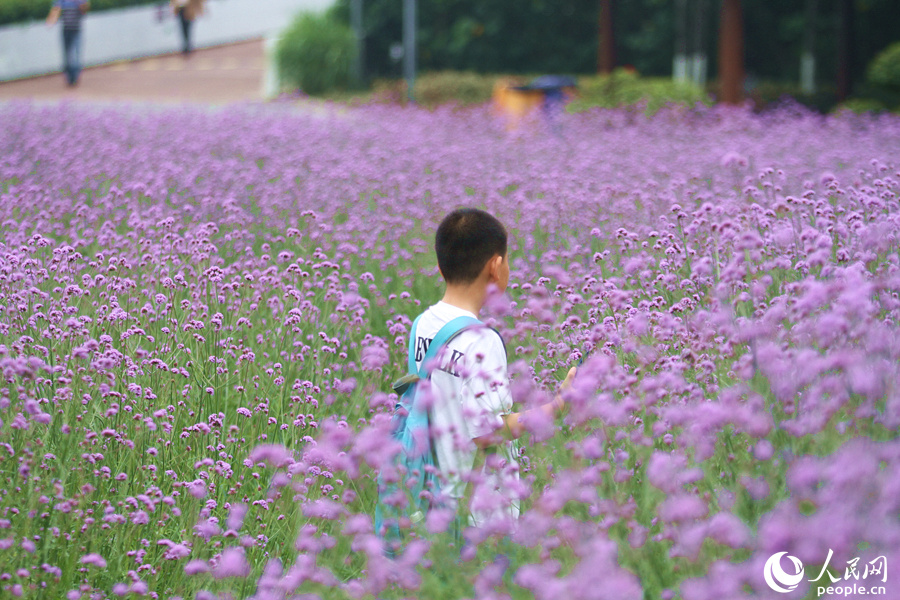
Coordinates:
<point>188,24</point>
<point>68,39</point>
<point>185,31</point>
<point>76,56</point>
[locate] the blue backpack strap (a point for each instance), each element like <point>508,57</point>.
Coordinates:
<point>418,416</point>
<point>411,362</point>
<point>449,331</point>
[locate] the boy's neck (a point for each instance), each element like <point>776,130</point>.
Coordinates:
<point>467,297</point>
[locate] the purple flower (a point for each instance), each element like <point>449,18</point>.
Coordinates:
<point>140,588</point>
<point>236,516</point>
<point>197,488</point>
<point>727,529</point>
<point>277,456</point>
<point>207,529</point>
<point>94,559</point>
<point>232,563</point>
<point>663,470</point>
<point>375,355</point>
<point>681,507</point>
<point>196,566</point>
<point>174,551</point>
<point>323,509</point>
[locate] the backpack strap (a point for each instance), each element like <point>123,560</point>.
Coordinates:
<point>446,333</point>
<point>411,362</point>
<point>443,337</point>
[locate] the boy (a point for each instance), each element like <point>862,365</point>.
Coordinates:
<point>471,412</point>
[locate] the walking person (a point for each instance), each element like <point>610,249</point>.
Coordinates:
<point>187,11</point>
<point>71,12</point>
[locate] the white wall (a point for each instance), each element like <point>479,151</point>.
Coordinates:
<point>35,48</point>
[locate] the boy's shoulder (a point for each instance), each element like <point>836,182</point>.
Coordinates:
<point>479,337</point>
<point>440,314</point>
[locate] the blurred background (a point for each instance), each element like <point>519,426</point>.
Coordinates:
<point>822,53</point>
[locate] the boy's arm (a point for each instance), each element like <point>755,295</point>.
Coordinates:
<point>513,427</point>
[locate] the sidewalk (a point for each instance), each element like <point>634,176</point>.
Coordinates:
<point>218,75</point>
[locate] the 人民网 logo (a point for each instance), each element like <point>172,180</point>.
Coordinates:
<point>853,583</point>
<point>777,578</point>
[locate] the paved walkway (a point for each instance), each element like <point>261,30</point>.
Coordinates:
<point>219,75</point>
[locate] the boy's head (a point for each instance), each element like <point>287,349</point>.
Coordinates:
<point>467,239</point>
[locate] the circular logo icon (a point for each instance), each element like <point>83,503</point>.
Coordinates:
<point>776,577</point>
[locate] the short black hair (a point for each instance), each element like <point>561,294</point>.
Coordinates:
<point>466,240</point>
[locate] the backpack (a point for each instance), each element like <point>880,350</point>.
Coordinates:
<point>410,427</point>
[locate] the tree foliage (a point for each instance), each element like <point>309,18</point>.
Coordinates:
<point>528,36</point>
<point>316,54</point>
<point>885,69</point>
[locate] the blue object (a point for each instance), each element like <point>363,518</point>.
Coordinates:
<point>552,87</point>
<point>552,82</point>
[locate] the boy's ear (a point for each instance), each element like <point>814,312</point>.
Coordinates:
<point>493,266</point>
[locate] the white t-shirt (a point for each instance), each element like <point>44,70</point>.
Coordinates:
<point>470,394</point>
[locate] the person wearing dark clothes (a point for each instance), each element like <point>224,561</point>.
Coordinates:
<point>187,11</point>
<point>70,12</point>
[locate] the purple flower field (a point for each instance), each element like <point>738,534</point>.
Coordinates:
<point>201,312</point>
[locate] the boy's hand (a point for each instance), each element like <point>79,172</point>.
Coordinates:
<point>567,382</point>
<point>513,426</point>
<point>558,402</point>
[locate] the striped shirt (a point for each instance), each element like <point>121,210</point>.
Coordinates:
<point>70,13</point>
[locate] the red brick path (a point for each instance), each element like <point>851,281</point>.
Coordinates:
<point>219,75</point>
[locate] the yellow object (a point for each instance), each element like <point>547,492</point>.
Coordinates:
<point>519,103</point>
<point>515,104</point>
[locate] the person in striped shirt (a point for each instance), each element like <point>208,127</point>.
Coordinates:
<point>70,13</point>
